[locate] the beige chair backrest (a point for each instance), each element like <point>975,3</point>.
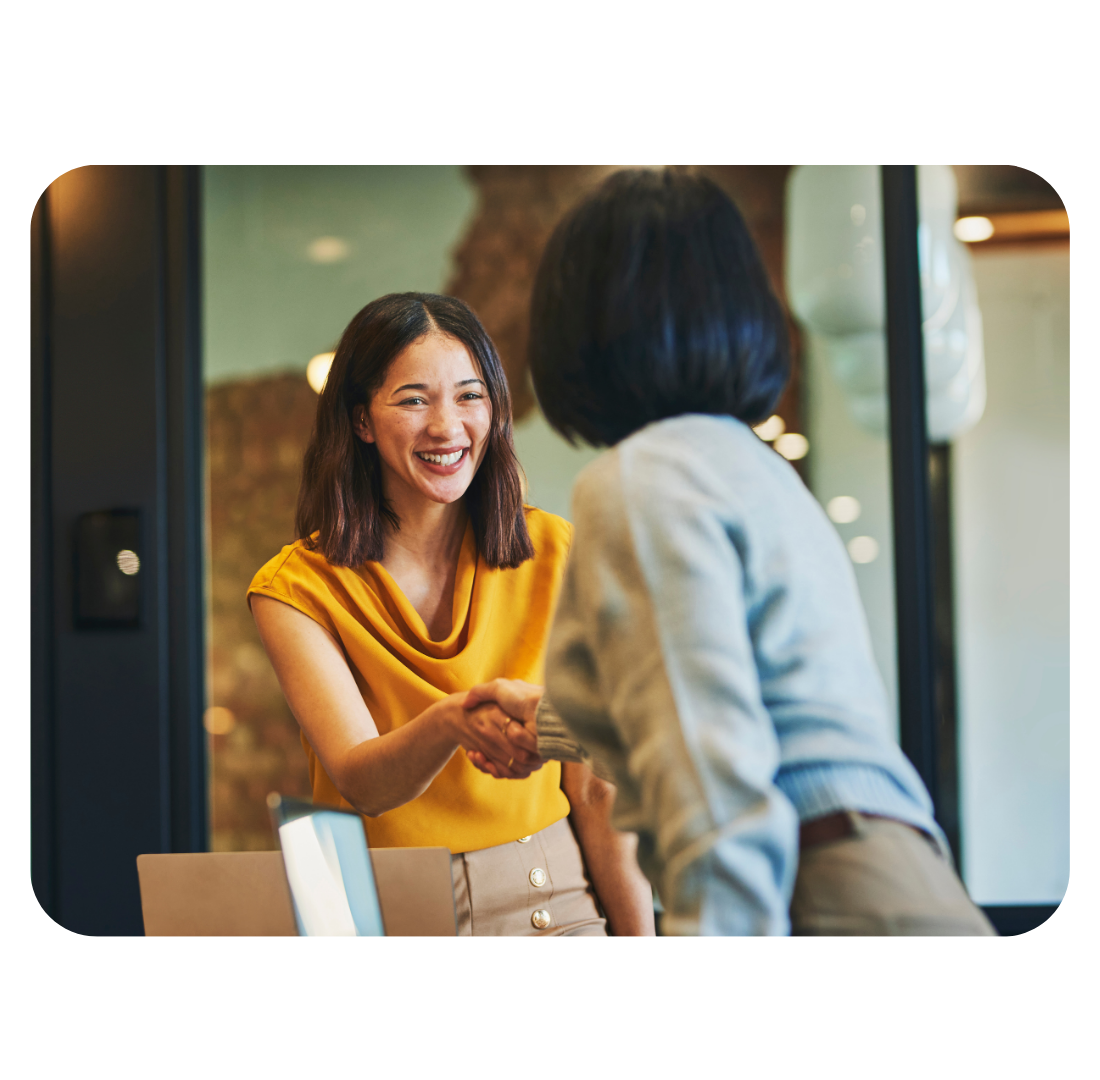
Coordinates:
<point>245,893</point>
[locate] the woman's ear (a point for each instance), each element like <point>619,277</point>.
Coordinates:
<point>360,422</point>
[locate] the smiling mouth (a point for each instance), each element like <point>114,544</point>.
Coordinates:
<point>445,460</point>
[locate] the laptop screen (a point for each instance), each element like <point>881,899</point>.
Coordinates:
<point>328,869</point>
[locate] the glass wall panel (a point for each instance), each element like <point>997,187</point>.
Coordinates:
<point>1011,510</point>
<point>996,329</point>
<point>849,473</point>
<point>835,287</point>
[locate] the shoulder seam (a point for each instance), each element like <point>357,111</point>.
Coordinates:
<point>291,550</point>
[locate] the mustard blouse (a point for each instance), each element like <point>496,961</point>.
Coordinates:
<point>501,621</point>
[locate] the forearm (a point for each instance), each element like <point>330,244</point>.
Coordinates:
<point>610,856</point>
<point>390,770</point>
<point>625,895</point>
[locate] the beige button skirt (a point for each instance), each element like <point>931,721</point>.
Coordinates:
<point>531,886</point>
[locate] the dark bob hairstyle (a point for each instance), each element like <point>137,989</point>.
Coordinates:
<point>340,498</point>
<point>651,301</point>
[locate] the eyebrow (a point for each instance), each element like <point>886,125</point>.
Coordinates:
<point>424,386</point>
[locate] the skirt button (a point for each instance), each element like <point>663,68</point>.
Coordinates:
<point>537,877</point>
<point>523,840</point>
<point>540,919</point>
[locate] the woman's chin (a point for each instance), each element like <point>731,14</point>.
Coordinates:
<point>447,492</point>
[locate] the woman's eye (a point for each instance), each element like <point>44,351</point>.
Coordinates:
<point>473,395</point>
<point>413,401</point>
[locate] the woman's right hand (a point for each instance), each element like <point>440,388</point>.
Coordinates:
<point>518,700</point>
<point>480,732</point>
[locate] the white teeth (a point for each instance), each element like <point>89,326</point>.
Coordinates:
<point>441,459</point>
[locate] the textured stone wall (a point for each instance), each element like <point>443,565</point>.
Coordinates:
<point>256,434</point>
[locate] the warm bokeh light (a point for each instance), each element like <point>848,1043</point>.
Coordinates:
<point>793,446</point>
<point>863,549</point>
<point>128,562</point>
<point>843,509</point>
<point>219,720</point>
<point>317,370</point>
<point>771,428</point>
<point>328,249</point>
<point>971,230</point>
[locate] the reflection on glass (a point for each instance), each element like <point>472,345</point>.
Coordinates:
<point>330,876</point>
<point>836,286</point>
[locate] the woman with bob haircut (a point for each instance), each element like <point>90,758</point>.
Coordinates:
<point>710,648</point>
<point>418,572</point>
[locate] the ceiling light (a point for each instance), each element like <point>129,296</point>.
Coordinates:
<point>971,230</point>
<point>317,370</point>
<point>328,249</point>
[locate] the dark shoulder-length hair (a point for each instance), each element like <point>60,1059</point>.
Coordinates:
<point>340,497</point>
<point>650,301</point>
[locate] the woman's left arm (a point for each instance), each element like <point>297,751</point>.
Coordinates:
<point>609,855</point>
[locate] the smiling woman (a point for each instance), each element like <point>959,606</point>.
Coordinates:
<point>419,573</point>
<point>398,366</point>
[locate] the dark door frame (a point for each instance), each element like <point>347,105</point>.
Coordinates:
<point>920,477</point>
<point>138,226</point>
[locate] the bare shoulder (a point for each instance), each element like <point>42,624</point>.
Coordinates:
<point>281,622</point>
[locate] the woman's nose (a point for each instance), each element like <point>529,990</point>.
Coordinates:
<point>444,421</point>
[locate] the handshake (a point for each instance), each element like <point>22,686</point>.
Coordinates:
<point>510,705</point>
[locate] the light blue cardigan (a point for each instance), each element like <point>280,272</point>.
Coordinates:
<point>710,652</point>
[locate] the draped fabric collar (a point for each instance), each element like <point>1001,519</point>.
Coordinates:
<point>394,612</point>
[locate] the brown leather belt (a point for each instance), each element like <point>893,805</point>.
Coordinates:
<point>836,826</point>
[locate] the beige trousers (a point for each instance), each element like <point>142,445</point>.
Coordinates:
<point>884,879</point>
<point>533,885</point>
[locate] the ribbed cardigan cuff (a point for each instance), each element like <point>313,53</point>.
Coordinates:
<point>556,742</point>
<point>823,788</point>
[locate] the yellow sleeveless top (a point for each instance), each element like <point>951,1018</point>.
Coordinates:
<point>501,620</point>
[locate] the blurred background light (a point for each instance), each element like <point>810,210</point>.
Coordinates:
<point>128,562</point>
<point>771,428</point>
<point>843,509</point>
<point>317,370</point>
<point>863,549</point>
<point>793,446</point>
<point>219,720</point>
<point>328,249</point>
<point>973,229</point>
